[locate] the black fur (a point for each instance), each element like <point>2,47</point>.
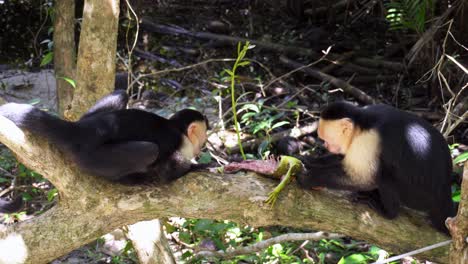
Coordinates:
<point>112,142</point>
<point>415,163</point>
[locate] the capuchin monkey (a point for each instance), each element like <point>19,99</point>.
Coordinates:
<point>395,157</point>
<point>118,144</point>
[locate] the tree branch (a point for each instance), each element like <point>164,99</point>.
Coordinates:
<point>89,208</point>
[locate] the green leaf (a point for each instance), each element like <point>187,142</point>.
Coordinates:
<point>243,63</point>
<point>229,72</point>
<point>454,146</point>
<point>47,58</point>
<point>185,237</point>
<point>52,194</point>
<point>276,250</point>
<point>187,254</point>
<point>282,123</point>
<point>461,158</point>
<point>205,157</point>
<point>252,107</point>
<point>353,259</point>
<point>26,197</point>
<point>70,81</point>
<point>203,224</point>
<point>248,115</point>
<point>2,180</point>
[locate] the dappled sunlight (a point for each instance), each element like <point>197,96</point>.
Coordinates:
<point>14,249</point>
<point>419,140</point>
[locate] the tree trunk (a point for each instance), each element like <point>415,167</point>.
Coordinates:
<point>459,226</point>
<point>95,72</point>
<point>89,207</point>
<point>64,52</point>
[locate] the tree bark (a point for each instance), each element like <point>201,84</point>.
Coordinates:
<point>459,226</point>
<point>89,207</point>
<point>95,72</point>
<point>64,52</point>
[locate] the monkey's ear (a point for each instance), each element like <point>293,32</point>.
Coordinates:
<point>347,125</point>
<point>192,132</point>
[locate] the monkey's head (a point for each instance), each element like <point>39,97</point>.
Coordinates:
<point>193,125</point>
<point>336,126</point>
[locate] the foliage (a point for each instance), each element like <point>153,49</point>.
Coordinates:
<point>409,14</point>
<point>35,186</point>
<point>203,234</point>
<point>261,121</point>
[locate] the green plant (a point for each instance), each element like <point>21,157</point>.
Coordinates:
<point>240,62</point>
<point>461,158</point>
<point>48,55</point>
<point>261,121</point>
<point>409,14</point>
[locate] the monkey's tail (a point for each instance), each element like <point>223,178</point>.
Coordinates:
<point>57,131</point>
<point>11,206</point>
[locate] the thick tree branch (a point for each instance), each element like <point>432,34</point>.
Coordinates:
<point>89,208</point>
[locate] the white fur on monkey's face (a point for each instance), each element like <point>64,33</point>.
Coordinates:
<point>336,134</point>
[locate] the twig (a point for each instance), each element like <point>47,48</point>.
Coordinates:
<point>455,124</point>
<point>338,61</point>
<point>414,252</point>
<point>297,69</point>
<point>428,35</point>
<point>130,50</point>
<point>7,173</point>
<point>266,243</point>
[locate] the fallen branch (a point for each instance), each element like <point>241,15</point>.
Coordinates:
<point>266,243</point>
<point>149,25</point>
<point>348,88</point>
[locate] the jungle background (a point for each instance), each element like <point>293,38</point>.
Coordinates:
<point>300,56</point>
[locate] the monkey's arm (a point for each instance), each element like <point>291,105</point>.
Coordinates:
<point>320,174</point>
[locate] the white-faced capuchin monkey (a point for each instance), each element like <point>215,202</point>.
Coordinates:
<point>118,144</point>
<point>395,157</point>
